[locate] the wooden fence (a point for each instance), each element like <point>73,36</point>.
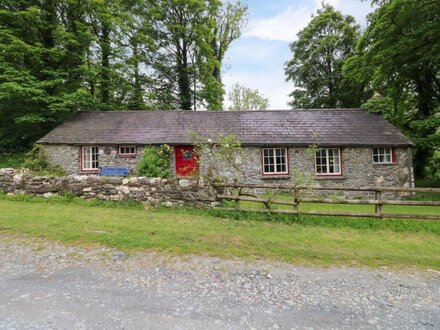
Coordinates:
<point>238,192</point>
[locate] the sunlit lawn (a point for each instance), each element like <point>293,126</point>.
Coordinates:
<point>313,240</point>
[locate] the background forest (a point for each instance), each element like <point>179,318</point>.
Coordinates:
<point>58,57</point>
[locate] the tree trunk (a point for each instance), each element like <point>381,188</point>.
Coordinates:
<point>183,78</point>
<point>138,101</point>
<point>105,62</point>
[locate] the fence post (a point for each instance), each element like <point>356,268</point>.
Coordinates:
<point>378,198</point>
<point>237,195</point>
<point>295,198</point>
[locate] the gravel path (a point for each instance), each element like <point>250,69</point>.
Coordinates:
<point>49,286</point>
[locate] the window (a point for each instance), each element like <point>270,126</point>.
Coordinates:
<point>275,161</point>
<point>127,151</point>
<point>383,156</point>
<point>328,162</point>
<point>89,159</point>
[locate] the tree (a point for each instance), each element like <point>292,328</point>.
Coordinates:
<point>42,47</point>
<point>318,55</point>
<point>183,29</point>
<point>230,20</point>
<point>399,55</point>
<point>192,38</point>
<point>243,98</point>
<point>58,57</point>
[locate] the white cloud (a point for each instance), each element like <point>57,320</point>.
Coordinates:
<point>333,3</point>
<point>283,26</point>
<point>257,59</point>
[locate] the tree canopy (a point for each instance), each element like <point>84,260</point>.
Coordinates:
<point>244,98</point>
<point>58,57</point>
<point>399,56</point>
<point>318,56</point>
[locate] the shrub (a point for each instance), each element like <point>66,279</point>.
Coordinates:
<point>155,162</point>
<point>36,161</point>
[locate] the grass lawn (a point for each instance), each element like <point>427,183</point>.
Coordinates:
<point>301,240</point>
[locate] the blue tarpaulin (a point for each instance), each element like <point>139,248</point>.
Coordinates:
<point>113,170</point>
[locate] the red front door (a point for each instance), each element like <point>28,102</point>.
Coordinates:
<point>186,161</point>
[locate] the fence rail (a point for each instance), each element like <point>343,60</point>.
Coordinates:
<point>237,194</point>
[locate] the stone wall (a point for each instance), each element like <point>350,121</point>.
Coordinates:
<point>152,191</point>
<point>69,157</point>
<point>358,169</point>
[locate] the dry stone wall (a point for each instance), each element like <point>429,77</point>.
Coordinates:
<point>152,191</point>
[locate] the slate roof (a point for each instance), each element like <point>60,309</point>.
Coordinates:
<point>323,127</point>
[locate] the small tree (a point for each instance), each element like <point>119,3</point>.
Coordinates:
<point>243,98</point>
<point>222,157</point>
<point>380,105</point>
<point>155,162</point>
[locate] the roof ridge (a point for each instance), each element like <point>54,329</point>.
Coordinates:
<point>227,111</point>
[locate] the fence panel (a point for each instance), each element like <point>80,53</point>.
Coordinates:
<point>295,191</point>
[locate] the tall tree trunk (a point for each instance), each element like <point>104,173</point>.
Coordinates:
<point>138,101</point>
<point>105,62</point>
<point>183,78</point>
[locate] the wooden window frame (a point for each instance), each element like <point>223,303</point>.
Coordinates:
<point>286,155</point>
<point>328,163</point>
<point>391,154</point>
<point>127,155</point>
<point>83,169</point>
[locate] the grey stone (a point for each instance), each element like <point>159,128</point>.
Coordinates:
<point>155,180</point>
<point>118,256</point>
<point>168,192</point>
<point>184,182</point>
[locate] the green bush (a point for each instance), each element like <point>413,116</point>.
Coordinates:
<point>12,159</point>
<point>36,161</point>
<point>155,162</point>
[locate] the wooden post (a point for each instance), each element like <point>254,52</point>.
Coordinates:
<point>295,198</point>
<point>378,198</point>
<point>237,195</point>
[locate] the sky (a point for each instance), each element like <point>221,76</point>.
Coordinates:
<point>256,60</point>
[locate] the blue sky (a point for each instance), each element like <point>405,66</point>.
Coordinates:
<point>257,59</point>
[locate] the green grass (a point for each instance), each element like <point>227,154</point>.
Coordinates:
<point>300,240</point>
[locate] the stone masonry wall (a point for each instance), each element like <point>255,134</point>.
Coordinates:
<point>152,191</point>
<point>68,157</point>
<point>358,169</point>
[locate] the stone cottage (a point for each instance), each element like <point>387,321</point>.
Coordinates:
<point>351,146</point>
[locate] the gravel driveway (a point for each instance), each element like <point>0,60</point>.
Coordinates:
<point>47,285</point>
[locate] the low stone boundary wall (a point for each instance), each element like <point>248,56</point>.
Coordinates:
<point>152,191</point>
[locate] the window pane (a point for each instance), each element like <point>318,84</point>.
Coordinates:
<point>328,161</point>
<point>274,160</point>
